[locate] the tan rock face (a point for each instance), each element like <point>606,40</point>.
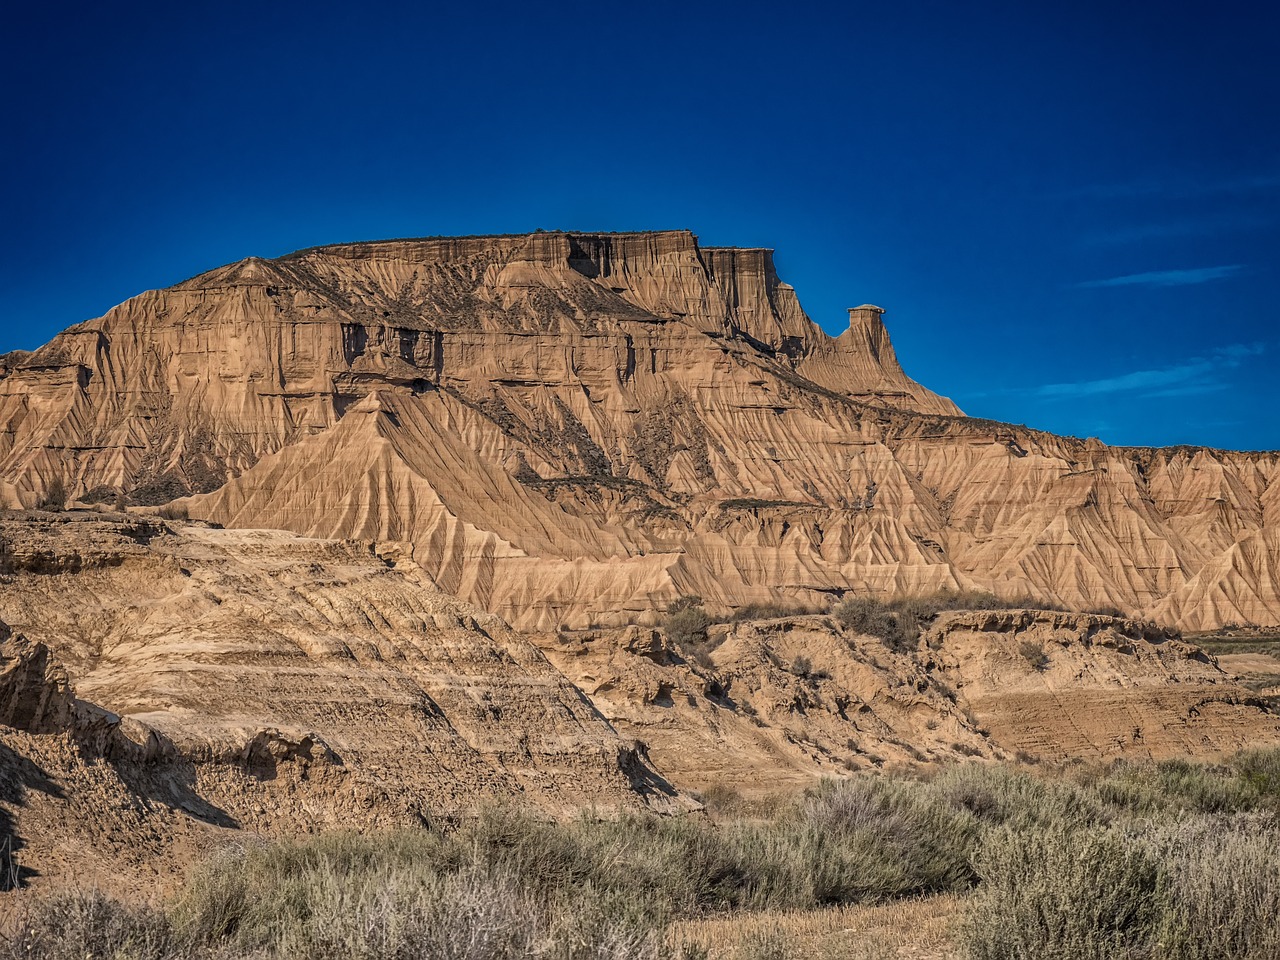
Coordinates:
<point>240,657</point>
<point>780,702</point>
<point>1058,686</point>
<point>571,428</point>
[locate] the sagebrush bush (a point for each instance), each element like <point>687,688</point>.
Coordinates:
<point>773,611</point>
<point>1034,653</point>
<point>508,887</point>
<point>90,926</point>
<point>900,621</point>
<point>1085,893</point>
<point>54,497</point>
<point>1204,888</point>
<point>1005,797</point>
<point>686,622</point>
<point>1173,786</point>
<point>1224,889</point>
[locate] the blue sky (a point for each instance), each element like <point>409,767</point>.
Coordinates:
<point>1071,214</point>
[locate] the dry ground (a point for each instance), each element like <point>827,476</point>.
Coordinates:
<point>917,929</point>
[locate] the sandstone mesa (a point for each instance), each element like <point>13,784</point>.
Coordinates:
<point>402,518</point>
<point>576,428</point>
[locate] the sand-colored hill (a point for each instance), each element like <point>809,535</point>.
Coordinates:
<point>167,686</point>
<point>576,429</point>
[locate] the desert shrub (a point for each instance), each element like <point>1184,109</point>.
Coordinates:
<point>1027,601</point>
<point>248,895</point>
<point>173,511</point>
<point>54,496</point>
<point>861,840</point>
<point>1173,786</point>
<point>1205,888</point>
<point>1000,796</point>
<point>899,622</point>
<point>1064,894</point>
<point>1260,769</point>
<point>862,615</point>
<point>865,839</point>
<point>721,799</point>
<point>1034,653</point>
<point>102,493</point>
<point>1224,889</point>
<point>802,666</point>
<point>158,490</point>
<point>686,622</point>
<point>773,611</point>
<point>89,926</point>
<point>507,887</point>
<point>1106,611</point>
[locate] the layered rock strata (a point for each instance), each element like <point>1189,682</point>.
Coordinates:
<point>577,428</point>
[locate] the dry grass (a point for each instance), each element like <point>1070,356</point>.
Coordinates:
<point>905,928</point>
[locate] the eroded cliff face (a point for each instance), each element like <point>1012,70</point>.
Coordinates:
<point>177,389</point>
<point>572,428</point>
<point>287,683</point>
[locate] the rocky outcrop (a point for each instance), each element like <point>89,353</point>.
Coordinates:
<point>245,655</point>
<point>578,428</point>
<point>1062,686</point>
<point>772,703</point>
<point>35,694</point>
<point>175,390</point>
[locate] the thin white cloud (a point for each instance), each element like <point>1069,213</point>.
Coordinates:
<point>1191,376</point>
<point>1184,187</point>
<point>1175,229</point>
<point>1168,278</point>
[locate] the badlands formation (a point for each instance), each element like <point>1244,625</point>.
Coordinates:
<point>568,429</point>
<point>373,533</point>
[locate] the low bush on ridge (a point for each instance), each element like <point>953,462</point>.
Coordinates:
<point>900,621</point>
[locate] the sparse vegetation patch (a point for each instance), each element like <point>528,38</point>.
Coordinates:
<point>1085,863</point>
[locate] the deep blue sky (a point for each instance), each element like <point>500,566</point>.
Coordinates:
<point>1071,214</point>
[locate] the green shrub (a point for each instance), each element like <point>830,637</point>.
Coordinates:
<point>773,611</point>
<point>1260,769</point>
<point>1004,797</point>
<point>1174,786</point>
<point>898,839</point>
<point>54,496</point>
<point>899,622</point>
<point>505,887</point>
<point>1107,611</point>
<point>1206,888</point>
<point>686,622</point>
